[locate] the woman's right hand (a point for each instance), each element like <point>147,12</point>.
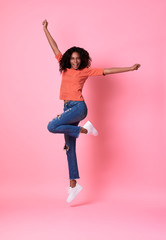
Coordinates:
<point>45,23</point>
<point>135,67</point>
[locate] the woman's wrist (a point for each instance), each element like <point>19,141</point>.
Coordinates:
<point>131,68</point>
<point>45,28</point>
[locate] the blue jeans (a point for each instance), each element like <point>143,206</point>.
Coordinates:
<point>67,123</point>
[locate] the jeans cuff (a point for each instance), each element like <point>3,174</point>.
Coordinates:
<point>78,132</point>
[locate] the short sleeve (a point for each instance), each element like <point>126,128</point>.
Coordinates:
<point>95,71</point>
<point>58,56</point>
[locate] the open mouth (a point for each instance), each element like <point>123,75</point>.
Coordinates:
<point>75,65</point>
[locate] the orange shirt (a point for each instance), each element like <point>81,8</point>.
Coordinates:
<point>73,81</point>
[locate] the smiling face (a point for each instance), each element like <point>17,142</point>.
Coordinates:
<point>75,60</point>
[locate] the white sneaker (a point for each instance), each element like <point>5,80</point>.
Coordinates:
<point>73,192</point>
<point>91,129</point>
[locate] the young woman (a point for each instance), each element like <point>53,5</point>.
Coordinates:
<point>75,69</point>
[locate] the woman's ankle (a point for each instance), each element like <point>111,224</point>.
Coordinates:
<point>83,130</point>
<point>73,183</point>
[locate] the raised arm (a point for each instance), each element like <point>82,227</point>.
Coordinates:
<point>119,70</point>
<point>51,41</point>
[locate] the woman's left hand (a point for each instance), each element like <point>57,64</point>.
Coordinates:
<point>135,66</point>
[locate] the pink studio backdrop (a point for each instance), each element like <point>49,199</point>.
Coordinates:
<point>127,159</point>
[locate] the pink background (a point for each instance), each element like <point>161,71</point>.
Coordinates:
<point>123,169</point>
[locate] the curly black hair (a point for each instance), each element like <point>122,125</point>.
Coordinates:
<point>65,60</point>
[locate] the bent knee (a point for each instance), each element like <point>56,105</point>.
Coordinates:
<point>51,127</point>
